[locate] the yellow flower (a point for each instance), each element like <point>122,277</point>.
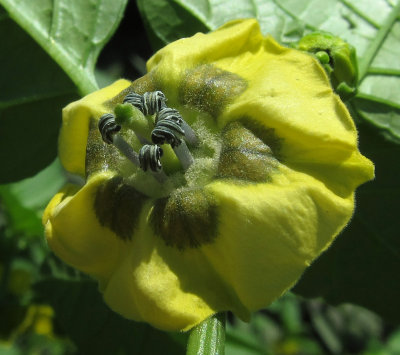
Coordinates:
<point>271,184</point>
<point>39,319</point>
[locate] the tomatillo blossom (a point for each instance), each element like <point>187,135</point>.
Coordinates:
<point>260,164</point>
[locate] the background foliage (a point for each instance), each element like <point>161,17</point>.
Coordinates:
<point>48,57</point>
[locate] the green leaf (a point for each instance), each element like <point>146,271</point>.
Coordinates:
<point>32,93</point>
<point>72,32</point>
<point>362,265</point>
<point>254,338</point>
<point>170,20</point>
<point>94,328</point>
<point>47,50</point>
<point>24,201</point>
<point>373,28</point>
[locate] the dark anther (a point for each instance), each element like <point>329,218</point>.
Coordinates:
<point>108,127</point>
<point>168,128</point>
<point>153,102</point>
<point>150,103</point>
<point>149,157</point>
<point>135,100</point>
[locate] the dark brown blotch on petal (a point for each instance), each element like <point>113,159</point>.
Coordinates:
<point>118,206</point>
<point>99,155</point>
<point>266,135</point>
<point>209,89</point>
<point>249,152</point>
<point>185,219</point>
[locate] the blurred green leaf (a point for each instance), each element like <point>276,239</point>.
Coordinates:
<point>7,349</point>
<point>32,93</point>
<point>373,28</point>
<point>35,192</point>
<point>394,342</point>
<point>361,266</point>
<point>289,308</point>
<point>47,50</point>
<point>20,218</point>
<point>95,329</point>
<point>241,339</point>
<point>25,200</point>
<point>324,329</point>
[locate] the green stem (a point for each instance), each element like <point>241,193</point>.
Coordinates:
<point>208,338</point>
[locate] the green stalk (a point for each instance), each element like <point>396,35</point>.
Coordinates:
<point>208,338</point>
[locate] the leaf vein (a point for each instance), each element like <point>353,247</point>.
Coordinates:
<point>377,42</point>
<point>289,13</point>
<point>379,100</point>
<point>360,14</point>
<point>383,71</point>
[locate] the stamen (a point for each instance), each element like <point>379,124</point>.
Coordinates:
<point>141,139</point>
<point>124,147</point>
<point>153,102</point>
<point>109,131</point>
<point>108,127</point>
<point>190,135</point>
<point>135,100</point>
<point>168,129</point>
<point>150,103</point>
<point>149,157</point>
<point>183,154</point>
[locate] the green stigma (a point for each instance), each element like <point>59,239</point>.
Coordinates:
<point>124,114</point>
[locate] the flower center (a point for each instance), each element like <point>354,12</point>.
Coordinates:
<point>165,160</point>
<point>152,146</point>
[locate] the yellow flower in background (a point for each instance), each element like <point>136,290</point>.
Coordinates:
<point>39,319</point>
<point>256,184</point>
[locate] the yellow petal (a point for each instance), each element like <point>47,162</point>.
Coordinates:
<point>75,125</point>
<point>74,233</point>
<point>269,233</point>
<point>142,278</point>
<point>164,286</point>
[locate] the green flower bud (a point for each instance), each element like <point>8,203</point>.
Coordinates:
<point>338,59</point>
